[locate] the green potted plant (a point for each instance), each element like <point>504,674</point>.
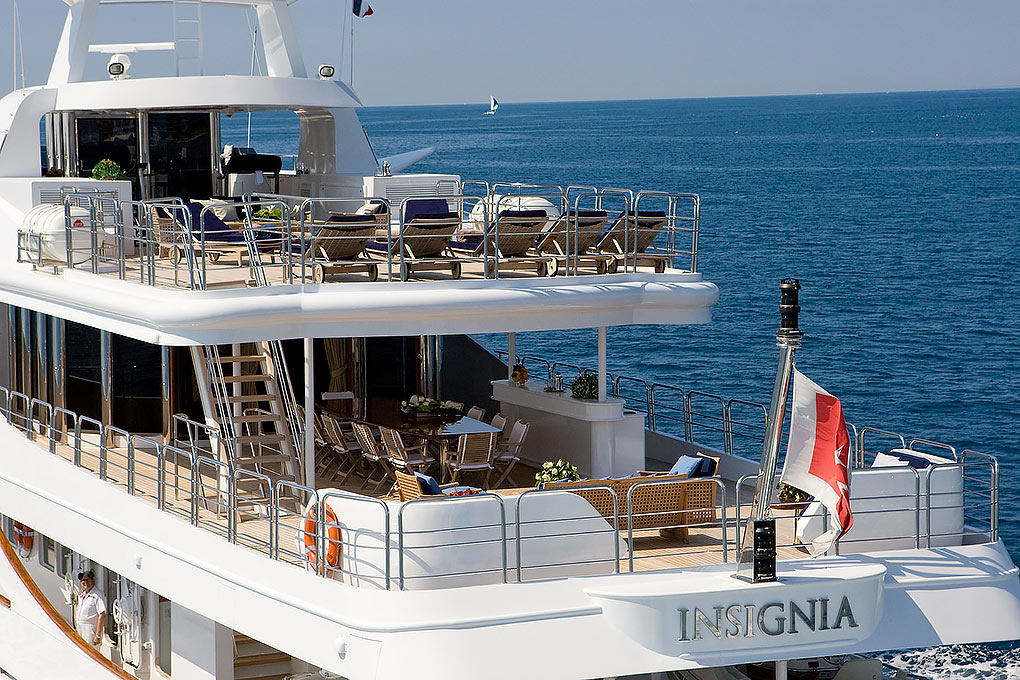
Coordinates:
<point>791,498</point>
<point>585,386</point>
<point>107,169</point>
<point>561,470</point>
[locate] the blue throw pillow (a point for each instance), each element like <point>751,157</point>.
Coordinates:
<point>912,460</point>
<point>429,486</point>
<point>706,468</point>
<point>685,465</point>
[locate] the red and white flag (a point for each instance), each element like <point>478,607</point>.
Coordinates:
<point>818,456</point>
<point>361,8</point>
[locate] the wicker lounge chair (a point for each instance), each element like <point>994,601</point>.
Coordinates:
<point>661,505</point>
<point>620,239</point>
<point>578,230</point>
<point>507,244</point>
<point>341,243</point>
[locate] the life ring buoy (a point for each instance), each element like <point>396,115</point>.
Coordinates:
<point>332,532</point>
<point>24,536</point>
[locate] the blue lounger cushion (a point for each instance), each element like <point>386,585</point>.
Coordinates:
<point>429,485</point>
<point>686,465</point>
<point>351,218</point>
<point>215,228</point>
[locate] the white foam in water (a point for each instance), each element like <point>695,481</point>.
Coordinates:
<point>984,662</point>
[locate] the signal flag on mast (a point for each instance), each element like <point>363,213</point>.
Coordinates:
<point>818,456</point>
<point>361,8</point>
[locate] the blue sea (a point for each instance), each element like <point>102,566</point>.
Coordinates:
<point>899,213</point>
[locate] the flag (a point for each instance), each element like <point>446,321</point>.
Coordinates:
<point>818,456</point>
<point>361,8</point>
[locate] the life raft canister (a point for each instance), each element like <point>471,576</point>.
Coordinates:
<point>332,532</point>
<point>24,536</point>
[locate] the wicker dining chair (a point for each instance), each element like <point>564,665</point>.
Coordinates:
<point>474,454</point>
<point>508,454</point>
<point>374,453</point>
<point>476,413</point>
<point>403,457</point>
<point>342,455</point>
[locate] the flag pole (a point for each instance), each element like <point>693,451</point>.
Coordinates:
<point>788,339</point>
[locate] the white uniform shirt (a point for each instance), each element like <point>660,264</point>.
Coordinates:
<point>89,609</point>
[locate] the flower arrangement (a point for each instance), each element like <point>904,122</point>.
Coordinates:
<point>423,406</point>
<point>268,214</point>
<point>107,169</point>
<point>462,491</point>
<point>554,472</point>
<point>585,386</point>
<point>791,494</point>
<point>519,374</point>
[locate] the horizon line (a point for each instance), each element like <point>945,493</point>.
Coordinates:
<point>726,96</point>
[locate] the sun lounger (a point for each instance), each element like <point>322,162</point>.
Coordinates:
<point>508,242</point>
<point>572,235</point>
<point>215,238</point>
<point>341,243</point>
<point>620,239</point>
<point>425,237</point>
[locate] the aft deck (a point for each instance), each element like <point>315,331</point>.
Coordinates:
<point>269,519</point>
<point>264,511</point>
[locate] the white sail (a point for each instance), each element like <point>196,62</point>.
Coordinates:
<point>493,105</point>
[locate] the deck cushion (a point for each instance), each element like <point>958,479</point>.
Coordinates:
<point>429,485</point>
<point>686,465</point>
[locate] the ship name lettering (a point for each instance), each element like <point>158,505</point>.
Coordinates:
<point>772,619</point>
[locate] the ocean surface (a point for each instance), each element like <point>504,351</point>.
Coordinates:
<point>899,213</point>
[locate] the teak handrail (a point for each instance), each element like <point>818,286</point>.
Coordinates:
<point>55,616</point>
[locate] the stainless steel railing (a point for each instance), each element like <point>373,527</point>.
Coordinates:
<point>159,243</point>
<point>189,476</point>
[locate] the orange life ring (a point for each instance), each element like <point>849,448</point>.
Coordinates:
<point>24,536</point>
<point>332,531</point>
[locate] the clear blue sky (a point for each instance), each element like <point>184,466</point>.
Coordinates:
<point>456,51</point>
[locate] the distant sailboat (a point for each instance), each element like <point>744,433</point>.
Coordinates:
<point>493,105</point>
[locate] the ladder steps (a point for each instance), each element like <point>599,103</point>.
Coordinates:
<point>259,418</point>
<point>242,358</point>
<point>254,377</point>
<point>259,659</point>
<point>242,398</point>
<point>259,439</point>
<point>278,458</point>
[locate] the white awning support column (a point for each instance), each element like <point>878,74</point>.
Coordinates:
<point>511,354</point>
<point>603,393</point>
<point>781,667</point>
<point>309,425</point>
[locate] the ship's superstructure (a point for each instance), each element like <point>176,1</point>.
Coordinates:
<point>210,350</point>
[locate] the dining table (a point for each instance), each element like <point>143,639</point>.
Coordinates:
<point>440,432</point>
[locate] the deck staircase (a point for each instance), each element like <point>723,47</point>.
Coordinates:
<point>254,660</point>
<point>248,397</point>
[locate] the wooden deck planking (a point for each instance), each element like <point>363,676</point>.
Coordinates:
<point>651,551</point>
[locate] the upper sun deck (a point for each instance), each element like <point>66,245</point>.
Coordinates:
<point>285,267</point>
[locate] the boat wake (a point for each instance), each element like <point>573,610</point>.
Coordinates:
<point>989,662</point>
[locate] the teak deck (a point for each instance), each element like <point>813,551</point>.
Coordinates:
<point>650,550</point>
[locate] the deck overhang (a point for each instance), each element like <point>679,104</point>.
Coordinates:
<point>172,317</point>
<point>249,93</point>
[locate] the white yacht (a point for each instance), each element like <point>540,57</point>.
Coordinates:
<point>206,343</point>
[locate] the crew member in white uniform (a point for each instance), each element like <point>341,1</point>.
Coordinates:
<point>91,616</point>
